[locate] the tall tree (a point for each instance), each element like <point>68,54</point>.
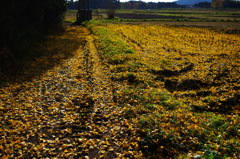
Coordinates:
<point>126,5</point>
<point>111,7</point>
<point>217,4</point>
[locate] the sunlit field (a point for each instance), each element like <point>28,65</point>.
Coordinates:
<point>177,14</point>
<point>122,88</point>
<point>126,89</point>
<point>179,85</point>
<point>181,14</point>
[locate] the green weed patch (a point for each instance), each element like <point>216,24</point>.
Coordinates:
<point>174,114</point>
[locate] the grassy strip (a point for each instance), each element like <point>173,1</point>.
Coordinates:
<point>108,42</point>
<point>178,19</point>
<point>165,126</point>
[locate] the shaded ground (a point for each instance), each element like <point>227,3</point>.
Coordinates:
<point>66,110</point>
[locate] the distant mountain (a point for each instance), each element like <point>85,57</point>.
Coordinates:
<point>191,2</point>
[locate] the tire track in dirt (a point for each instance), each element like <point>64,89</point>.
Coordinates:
<point>110,132</point>
<point>68,112</point>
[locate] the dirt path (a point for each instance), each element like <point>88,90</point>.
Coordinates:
<point>67,112</point>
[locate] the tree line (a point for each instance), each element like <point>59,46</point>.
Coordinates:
<point>94,4</point>
<point>149,5</point>
<point>102,4</point>
<point>216,4</point>
<point>220,4</point>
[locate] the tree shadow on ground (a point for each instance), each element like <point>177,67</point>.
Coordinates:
<point>47,55</point>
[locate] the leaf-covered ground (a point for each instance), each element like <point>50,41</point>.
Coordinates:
<point>62,105</point>
<point>147,91</point>
<point>179,85</point>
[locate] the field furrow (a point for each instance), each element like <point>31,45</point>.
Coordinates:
<point>179,86</point>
